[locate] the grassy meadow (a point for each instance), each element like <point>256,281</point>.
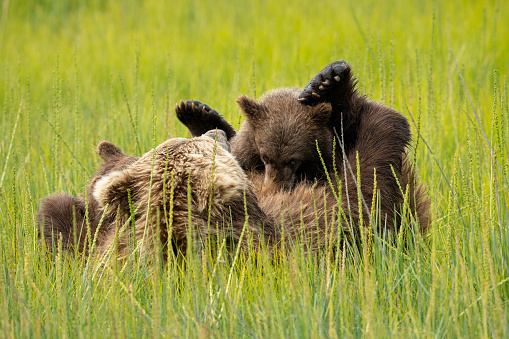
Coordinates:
<point>75,72</point>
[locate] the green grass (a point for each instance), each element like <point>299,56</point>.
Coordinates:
<point>73,73</point>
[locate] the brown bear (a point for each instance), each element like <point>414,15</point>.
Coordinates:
<point>289,135</point>
<point>195,181</point>
<point>181,181</point>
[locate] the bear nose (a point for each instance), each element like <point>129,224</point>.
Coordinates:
<point>282,178</point>
<point>216,133</point>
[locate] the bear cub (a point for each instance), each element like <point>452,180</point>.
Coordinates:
<point>289,135</point>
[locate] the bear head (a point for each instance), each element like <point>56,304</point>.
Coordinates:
<point>181,182</point>
<point>287,135</point>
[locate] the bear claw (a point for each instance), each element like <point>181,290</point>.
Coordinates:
<point>320,88</point>
<point>200,118</point>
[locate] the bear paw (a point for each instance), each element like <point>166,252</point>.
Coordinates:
<point>200,118</point>
<point>324,83</point>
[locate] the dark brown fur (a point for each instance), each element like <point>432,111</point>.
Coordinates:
<point>281,132</point>
<point>279,138</point>
<point>377,135</point>
<point>61,214</point>
<point>60,217</point>
<point>311,214</point>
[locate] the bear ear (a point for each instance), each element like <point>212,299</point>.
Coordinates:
<point>112,190</point>
<point>220,137</point>
<point>321,113</point>
<point>108,150</point>
<point>251,108</point>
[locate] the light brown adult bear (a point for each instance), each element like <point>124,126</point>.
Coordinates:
<point>284,130</point>
<point>180,182</point>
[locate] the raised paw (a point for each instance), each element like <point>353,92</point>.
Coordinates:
<point>200,118</point>
<point>328,80</point>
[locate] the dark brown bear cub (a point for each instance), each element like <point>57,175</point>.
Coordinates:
<point>280,134</point>
<point>282,130</point>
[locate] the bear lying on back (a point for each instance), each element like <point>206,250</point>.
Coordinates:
<point>154,189</point>
<point>283,129</point>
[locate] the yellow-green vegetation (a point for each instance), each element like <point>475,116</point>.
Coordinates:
<point>76,72</point>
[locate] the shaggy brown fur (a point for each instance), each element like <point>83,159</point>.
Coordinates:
<point>312,213</point>
<point>155,189</point>
<point>280,135</point>
<point>62,216</point>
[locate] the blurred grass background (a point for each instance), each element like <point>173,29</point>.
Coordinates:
<point>75,72</point>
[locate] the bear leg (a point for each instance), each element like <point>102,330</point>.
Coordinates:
<point>333,84</point>
<point>200,118</point>
<point>326,83</point>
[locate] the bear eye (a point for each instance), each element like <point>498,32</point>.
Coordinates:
<point>293,162</point>
<point>265,159</point>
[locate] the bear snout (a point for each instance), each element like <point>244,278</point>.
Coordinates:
<point>282,177</point>
<point>220,137</point>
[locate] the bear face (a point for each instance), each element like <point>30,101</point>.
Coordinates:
<point>284,137</point>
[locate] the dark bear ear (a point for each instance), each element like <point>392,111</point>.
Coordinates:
<point>321,113</point>
<point>251,108</point>
<point>107,150</point>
